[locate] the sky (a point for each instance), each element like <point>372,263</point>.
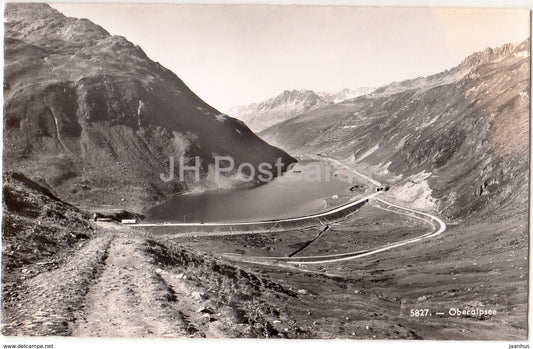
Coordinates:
<point>238,54</point>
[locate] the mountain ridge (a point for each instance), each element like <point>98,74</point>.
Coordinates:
<point>455,143</point>
<point>452,74</point>
<point>262,115</point>
<point>288,104</point>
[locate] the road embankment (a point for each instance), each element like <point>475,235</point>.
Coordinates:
<point>266,226</point>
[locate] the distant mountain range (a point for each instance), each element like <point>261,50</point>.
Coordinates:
<point>288,104</point>
<point>92,117</point>
<point>455,142</point>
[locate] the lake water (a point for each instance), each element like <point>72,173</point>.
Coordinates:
<point>309,188</point>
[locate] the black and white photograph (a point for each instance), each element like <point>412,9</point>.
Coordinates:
<point>265,171</point>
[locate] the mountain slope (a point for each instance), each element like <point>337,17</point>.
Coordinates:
<point>289,104</point>
<point>90,115</point>
<point>36,224</point>
<point>63,275</point>
<point>454,142</point>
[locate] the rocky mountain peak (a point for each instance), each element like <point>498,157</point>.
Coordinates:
<point>487,55</point>
<point>48,28</point>
<point>307,97</point>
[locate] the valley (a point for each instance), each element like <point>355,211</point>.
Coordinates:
<point>371,293</point>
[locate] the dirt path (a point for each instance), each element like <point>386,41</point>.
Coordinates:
<point>292,254</point>
<point>129,297</point>
<point>116,286</point>
<point>134,297</point>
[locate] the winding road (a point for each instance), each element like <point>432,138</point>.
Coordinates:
<point>438,224</point>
